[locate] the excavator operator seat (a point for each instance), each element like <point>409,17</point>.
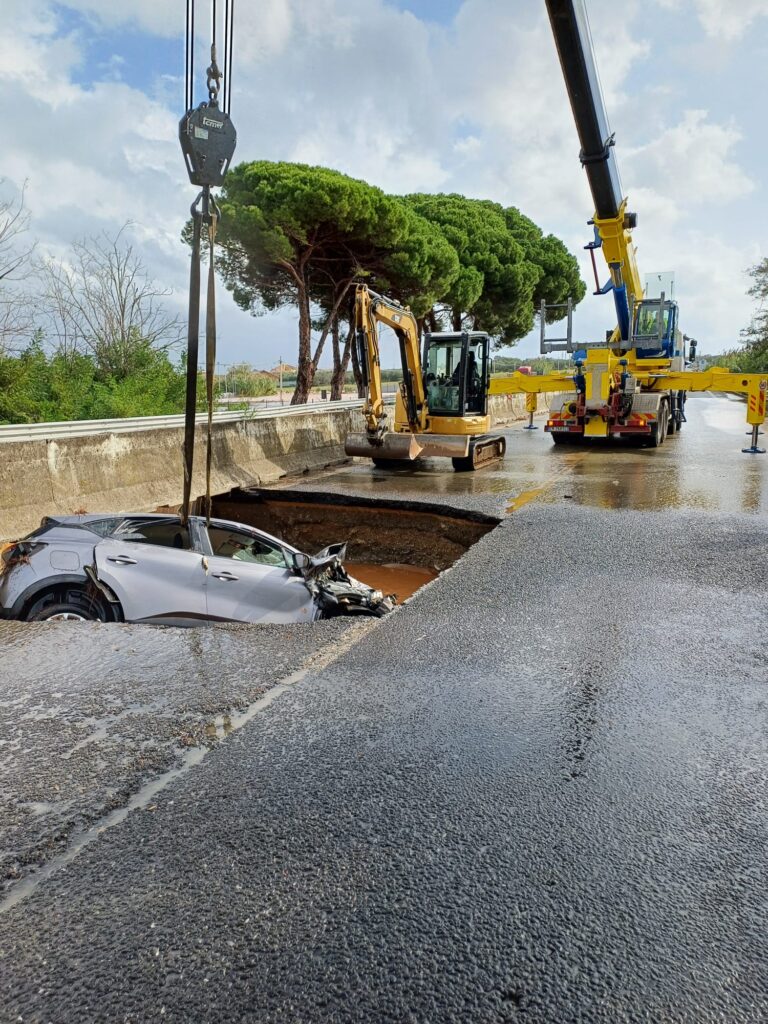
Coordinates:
<point>456,373</point>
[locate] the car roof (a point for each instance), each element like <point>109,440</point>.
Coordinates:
<point>84,520</point>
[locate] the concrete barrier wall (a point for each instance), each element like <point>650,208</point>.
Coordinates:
<point>142,470</point>
<point>510,408</point>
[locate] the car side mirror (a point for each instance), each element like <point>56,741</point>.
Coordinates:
<point>300,561</point>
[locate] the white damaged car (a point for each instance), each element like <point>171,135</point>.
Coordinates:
<point>153,568</point>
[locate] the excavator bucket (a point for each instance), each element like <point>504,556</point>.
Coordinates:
<point>393,447</point>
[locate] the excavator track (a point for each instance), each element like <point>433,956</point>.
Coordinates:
<point>483,450</point>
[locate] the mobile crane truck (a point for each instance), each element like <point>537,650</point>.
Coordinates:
<point>441,407</point>
<point>634,383</point>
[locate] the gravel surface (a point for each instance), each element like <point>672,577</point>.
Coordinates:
<point>87,714</point>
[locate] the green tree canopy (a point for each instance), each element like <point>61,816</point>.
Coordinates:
<point>506,264</point>
<point>292,233</point>
<point>39,387</point>
<point>559,279</point>
<point>754,358</point>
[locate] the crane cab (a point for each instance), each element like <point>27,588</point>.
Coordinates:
<point>655,333</point>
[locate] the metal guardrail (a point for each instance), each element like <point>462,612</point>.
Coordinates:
<point>84,428</point>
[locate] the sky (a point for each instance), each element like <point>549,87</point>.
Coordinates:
<point>411,95</point>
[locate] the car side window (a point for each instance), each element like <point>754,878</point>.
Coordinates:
<point>244,547</point>
<point>164,534</point>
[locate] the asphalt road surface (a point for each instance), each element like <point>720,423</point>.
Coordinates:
<point>536,792</point>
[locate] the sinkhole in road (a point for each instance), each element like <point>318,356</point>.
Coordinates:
<point>395,546</point>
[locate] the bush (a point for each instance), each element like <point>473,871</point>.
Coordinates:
<point>38,388</point>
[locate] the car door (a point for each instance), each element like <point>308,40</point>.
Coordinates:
<point>248,579</point>
<point>154,582</point>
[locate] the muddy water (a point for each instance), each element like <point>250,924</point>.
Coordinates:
<point>393,577</point>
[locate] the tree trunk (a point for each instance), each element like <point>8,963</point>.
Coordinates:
<point>357,372</point>
<point>340,366</point>
<point>305,373</point>
<point>456,319</point>
<point>321,342</point>
<point>335,383</point>
<point>434,327</point>
<point>327,326</point>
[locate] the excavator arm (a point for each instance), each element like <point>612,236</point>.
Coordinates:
<point>371,310</point>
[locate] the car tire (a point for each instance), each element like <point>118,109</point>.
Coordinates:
<point>78,606</point>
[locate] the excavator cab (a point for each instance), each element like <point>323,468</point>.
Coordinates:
<point>456,370</point>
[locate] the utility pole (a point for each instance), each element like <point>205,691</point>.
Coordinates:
<point>281,379</point>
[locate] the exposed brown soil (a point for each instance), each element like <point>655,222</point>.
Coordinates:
<point>375,533</point>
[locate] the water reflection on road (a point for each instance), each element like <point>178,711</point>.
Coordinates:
<point>700,468</point>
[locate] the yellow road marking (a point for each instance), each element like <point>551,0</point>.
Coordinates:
<point>525,497</point>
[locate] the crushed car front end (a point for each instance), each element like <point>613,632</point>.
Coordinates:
<point>334,590</point>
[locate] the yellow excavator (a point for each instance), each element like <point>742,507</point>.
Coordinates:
<point>441,408</point>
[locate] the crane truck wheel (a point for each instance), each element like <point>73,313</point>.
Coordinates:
<point>659,431</point>
<point>665,424</point>
<point>673,424</point>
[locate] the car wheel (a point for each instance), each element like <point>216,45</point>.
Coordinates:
<point>75,606</point>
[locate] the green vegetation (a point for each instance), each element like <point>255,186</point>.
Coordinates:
<point>506,266</point>
<point>754,357</point>
<point>89,339</point>
<point>298,235</point>
<point>36,387</point>
<point>243,380</point>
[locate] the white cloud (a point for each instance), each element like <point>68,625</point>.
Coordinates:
<point>724,19</point>
<point>478,107</point>
<point>691,161</point>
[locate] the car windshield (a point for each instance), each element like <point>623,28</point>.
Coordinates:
<point>245,547</point>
